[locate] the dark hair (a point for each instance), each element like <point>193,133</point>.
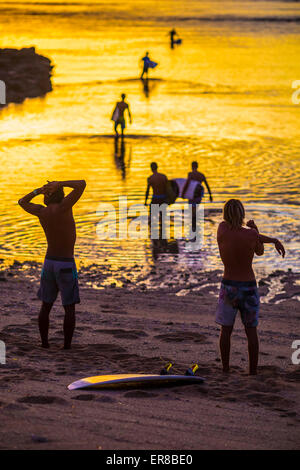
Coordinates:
<point>153,166</point>
<point>194,164</point>
<point>123,96</point>
<point>56,197</point>
<point>234,213</point>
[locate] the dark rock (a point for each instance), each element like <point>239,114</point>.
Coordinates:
<point>25,73</point>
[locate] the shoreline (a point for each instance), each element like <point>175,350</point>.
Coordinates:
<point>274,287</point>
<point>121,330</point>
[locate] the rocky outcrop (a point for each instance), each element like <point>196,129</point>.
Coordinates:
<point>23,74</point>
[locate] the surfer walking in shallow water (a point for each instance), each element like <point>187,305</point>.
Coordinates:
<point>158,182</point>
<point>119,115</point>
<point>147,64</point>
<point>59,271</point>
<point>196,175</point>
<point>238,292</point>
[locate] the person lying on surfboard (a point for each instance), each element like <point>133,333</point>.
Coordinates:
<point>118,115</point>
<point>237,246</point>
<point>59,271</point>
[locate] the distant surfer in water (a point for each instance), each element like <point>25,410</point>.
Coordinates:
<point>118,115</point>
<point>147,64</point>
<point>196,175</point>
<point>237,245</point>
<point>59,271</point>
<point>172,35</point>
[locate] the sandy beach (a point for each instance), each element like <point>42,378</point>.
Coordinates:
<point>130,330</point>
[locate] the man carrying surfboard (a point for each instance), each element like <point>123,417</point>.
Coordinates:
<point>148,64</point>
<point>196,175</point>
<point>118,115</point>
<point>59,271</point>
<point>237,246</point>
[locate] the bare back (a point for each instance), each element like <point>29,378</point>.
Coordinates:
<point>158,182</point>
<point>60,230</point>
<point>237,247</point>
<point>196,176</point>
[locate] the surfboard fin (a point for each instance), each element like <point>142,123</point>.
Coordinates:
<point>192,370</point>
<point>165,370</point>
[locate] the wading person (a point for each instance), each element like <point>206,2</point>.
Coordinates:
<point>158,183</point>
<point>196,175</point>
<point>237,245</point>
<point>146,65</point>
<point>119,115</point>
<point>59,271</point>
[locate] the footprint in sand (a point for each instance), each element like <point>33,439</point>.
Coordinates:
<point>42,400</point>
<point>180,336</point>
<point>140,394</point>
<point>84,397</point>
<point>126,334</point>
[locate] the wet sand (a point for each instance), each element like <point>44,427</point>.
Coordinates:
<point>123,330</point>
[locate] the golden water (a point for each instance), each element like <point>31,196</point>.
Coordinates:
<point>222,98</point>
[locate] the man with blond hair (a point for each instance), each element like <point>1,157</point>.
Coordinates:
<point>237,245</point>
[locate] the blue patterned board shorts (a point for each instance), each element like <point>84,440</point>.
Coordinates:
<point>59,274</point>
<point>234,296</point>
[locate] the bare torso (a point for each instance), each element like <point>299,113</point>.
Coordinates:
<point>196,176</point>
<point>121,105</point>
<point>60,231</point>
<point>158,182</point>
<point>237,248</point>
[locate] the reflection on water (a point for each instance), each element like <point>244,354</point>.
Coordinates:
<point>222,98</point>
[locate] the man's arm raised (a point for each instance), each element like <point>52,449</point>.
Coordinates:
<point>71,199</point>
<point>34,209</point>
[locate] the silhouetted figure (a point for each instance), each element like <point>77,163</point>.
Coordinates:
<point>172,35</point>
<point>59,271</point>
<point>196,175</point>
<point>147,64</point>
<point>158,183</point>
<point>118,115</point>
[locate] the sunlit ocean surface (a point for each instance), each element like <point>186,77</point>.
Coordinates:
<point>223,98</point>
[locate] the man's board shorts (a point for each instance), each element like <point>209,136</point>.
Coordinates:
<point>59,274</point>
<point>121,122</point>
<point>160,199</point>
<point>234,296</point>
<point>197,200</point>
